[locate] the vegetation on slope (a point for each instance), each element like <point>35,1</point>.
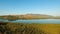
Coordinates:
<point>21,28</point>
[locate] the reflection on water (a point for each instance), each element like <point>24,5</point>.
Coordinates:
<point>35,21</point>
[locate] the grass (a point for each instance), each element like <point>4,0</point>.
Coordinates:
<point>21,28</point>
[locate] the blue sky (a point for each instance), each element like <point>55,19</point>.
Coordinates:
<point>50,7</point>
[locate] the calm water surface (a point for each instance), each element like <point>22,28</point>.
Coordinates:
<point>34,21</point>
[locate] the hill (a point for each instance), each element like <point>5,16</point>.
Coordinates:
<point>21,28</point>
<point>26,16</point>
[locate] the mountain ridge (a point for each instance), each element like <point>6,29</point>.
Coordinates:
<point>29,16</point>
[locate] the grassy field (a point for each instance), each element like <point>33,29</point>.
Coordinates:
<point>21,28</point>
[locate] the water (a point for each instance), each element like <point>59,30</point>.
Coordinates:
<point>34,21</point>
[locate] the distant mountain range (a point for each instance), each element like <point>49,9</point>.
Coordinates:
<point>29,16</point>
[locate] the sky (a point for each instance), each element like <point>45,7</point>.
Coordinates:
<point>17,7</point>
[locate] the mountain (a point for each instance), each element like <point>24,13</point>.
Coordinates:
<point>27,16</point>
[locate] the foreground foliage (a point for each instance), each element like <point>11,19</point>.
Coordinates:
<point>24,28</point>
<point>19,28</point>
